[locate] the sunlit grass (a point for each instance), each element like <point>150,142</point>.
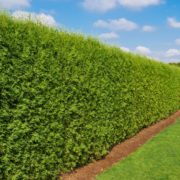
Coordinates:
<point>159,159</point>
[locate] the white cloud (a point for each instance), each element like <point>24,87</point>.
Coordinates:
<point>14,4</point>
<point>125,49</point>
<point>142,50</point>
<point>42,18</point>
<point>148,28</point>
<point>99,5</point>
<point>138,4</point>
<point>165,56</point>
<point>177,41</point>
<point>116,24</point>
<point>108,36</point>
<point>105,5</point>
<point>101,24</point>
<point>172,53</point>
<point>172,22</point>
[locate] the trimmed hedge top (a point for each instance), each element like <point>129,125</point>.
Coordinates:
<point>65,100</point>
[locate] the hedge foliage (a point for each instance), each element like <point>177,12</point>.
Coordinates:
<point>65,100</point>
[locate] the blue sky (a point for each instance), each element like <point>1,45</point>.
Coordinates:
<point>149,27</point>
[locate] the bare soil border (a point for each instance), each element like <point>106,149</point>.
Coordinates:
<point>120,151</point>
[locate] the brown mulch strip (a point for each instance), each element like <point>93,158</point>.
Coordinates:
<point>120,151</point>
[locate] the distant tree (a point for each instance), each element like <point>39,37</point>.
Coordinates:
<point>177,64</point>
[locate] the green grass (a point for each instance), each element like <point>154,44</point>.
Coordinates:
<point>158,159</point>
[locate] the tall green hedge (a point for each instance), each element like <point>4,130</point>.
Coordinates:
<point>65,100</point>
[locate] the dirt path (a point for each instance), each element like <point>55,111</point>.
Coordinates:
<point>120,151</point>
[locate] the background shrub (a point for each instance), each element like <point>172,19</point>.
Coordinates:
<point>66,99</point>
<point>176,64</point>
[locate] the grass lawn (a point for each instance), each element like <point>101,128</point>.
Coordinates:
<point>158,159</point>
